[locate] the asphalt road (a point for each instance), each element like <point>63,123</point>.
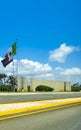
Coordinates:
<point>61,119</point>
<point>32,97</point>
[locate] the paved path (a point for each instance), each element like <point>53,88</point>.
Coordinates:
<point>11,108</point>
<point>27,97</point>
<point>61,119</point>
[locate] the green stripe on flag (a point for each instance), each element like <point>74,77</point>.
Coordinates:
<point>14,49</point>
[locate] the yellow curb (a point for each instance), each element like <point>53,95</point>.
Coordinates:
<point>46,105</point>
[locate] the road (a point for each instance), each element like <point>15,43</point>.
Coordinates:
<point>37,96</point>
<point>62,119</point>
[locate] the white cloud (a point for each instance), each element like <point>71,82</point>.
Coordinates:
<point>72,71</point>
<point>33,68</point>
<point>61,53</point>
<point>26,68</point>
<point>29,68</point>
<point>69,74</point>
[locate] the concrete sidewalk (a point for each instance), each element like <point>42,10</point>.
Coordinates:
<point>12,108</point>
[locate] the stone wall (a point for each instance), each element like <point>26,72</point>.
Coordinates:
<point>56,85</point>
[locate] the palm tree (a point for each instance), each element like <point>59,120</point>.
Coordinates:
<point>2,78</point>
<point>2,81</point>
<point>12,81</point>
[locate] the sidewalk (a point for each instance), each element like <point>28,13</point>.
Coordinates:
<point>12,108</point>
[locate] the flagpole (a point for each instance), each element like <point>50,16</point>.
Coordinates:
<point>17,59</point>
<point>16,69</point>
<point>13,75</point>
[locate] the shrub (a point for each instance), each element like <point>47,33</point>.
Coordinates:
<point>44,88</point>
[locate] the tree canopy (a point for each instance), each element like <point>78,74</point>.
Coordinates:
<point>76,87</point>
<point>7,83</point>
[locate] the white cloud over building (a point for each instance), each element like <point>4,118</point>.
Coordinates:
<point>30,68</point>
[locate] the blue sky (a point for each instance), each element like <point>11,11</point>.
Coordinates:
<point>49,36</point>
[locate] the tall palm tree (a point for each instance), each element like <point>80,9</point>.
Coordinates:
<point>2,78</point>
<point>12,81</point>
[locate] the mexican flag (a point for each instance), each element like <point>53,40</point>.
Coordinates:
<point>9,55</point>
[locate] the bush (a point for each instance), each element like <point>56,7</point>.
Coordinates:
<point>44,88</point>
<point>5,88</point>
<point>76,87</point>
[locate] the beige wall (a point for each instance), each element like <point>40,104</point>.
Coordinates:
<point>68,86</point>
<point>56,85</point>
<point>22,84</point>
